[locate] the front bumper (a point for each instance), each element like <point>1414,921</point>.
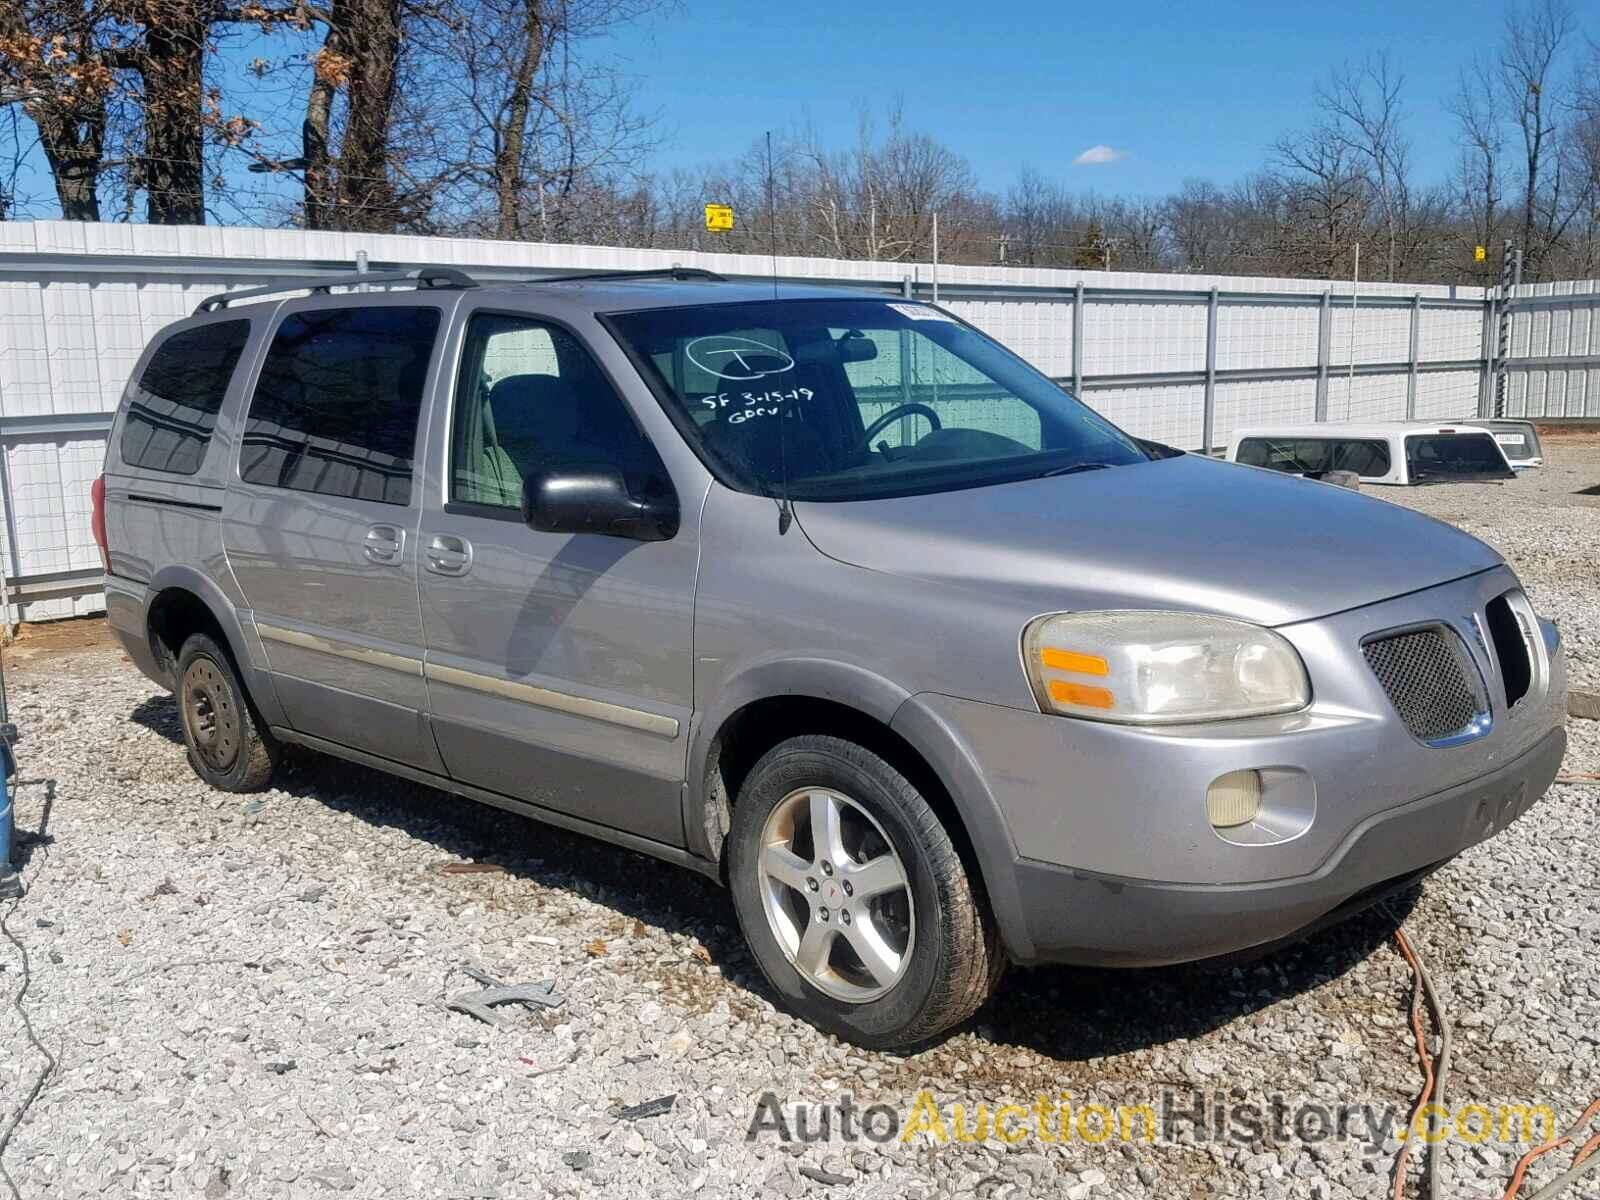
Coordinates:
<point>1081,917</point>
<point>1106,855</point>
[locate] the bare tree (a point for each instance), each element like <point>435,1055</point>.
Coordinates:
<point>51,65</point>
<point>167,55</point>
<point>1581,153</point>
<point>881,197</point>
<point>1201,226</point>
<point>1324,194</point>
<point>1138,230</point>
<point>347,167</point>
<point>544,127</point>
<point>1536,35</point>
<point>1042,223</point>
<point>1480,119</point>
<point>1362,105</point>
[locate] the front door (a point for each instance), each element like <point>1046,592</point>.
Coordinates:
<point>559,666</point>
<point>320,530</point>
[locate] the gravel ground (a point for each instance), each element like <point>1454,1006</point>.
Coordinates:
<point>243,995</point>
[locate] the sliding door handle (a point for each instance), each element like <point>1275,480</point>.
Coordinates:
<point>448,554</point>
<point>384,544</point>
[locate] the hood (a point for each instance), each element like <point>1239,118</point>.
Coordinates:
<point>1187,533</point>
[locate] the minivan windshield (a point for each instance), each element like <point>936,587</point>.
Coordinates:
<point>853,399</point>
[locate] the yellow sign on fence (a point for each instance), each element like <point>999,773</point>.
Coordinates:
<point>719,218</point>
<point>1478,252</point>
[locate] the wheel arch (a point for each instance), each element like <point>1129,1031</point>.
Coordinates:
<point>182,602</point>
<point>780,699</point>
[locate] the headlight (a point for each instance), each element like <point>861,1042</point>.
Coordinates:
<point>1155,668</point>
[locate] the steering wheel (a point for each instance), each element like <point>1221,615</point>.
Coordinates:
<point>894,414</point>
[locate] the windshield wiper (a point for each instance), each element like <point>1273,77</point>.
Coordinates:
<point>1074,469</point>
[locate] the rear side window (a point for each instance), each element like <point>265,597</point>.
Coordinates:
<point>174,404</point>
<point>336,406</point>
<point>1316,456</point>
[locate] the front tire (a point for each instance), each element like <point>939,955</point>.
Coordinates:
<point>228,747</point>
<point>853,898</point>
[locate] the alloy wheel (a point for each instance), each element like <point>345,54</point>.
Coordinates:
<point>836,894</point>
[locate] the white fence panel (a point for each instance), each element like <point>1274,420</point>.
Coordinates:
<point>1554,358</point>
<point>1268,335</point>
<point>1170,413</point>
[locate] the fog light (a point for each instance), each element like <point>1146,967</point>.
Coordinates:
<point>1234,799</point>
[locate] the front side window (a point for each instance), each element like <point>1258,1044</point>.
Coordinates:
<point>336,406</point>
<point>859,398</point>
<point>530,398</point>
<point>174,404</point>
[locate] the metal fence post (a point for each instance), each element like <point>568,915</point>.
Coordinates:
<point>1411,378</point>
<point>1077,340</point>
<point>1508,270</point>
<point>903,340</point>
<point>1324,337</point>
<point>1486,340</point>
<point>1208,413</point>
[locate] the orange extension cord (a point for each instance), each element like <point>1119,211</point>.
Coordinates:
<point>1527,1159</point>
<point>1426,1059</point>
<point>1422,1055</point>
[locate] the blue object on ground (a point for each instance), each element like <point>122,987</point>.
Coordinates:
<point>10,882</point>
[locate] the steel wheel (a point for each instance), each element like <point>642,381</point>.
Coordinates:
<point>836,894</point>
<point>210,714</point>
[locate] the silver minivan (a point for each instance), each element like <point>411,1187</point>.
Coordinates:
<point>821,593</point>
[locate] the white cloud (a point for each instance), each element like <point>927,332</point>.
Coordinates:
<point>1096,156</point>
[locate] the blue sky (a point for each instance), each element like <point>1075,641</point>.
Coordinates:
<point>1185,89</point>
<point>1181,90</point>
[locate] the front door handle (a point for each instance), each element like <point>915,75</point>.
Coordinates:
<point>384,543</point>
<point>448,554</point>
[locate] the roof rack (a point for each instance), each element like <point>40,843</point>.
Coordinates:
<point>682,273</point>
<point>427,277</point>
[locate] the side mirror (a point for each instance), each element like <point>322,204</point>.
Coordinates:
<point>596,500</point>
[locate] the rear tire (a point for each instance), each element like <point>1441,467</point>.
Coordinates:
<point>228,746</point>
<point>906,952</point>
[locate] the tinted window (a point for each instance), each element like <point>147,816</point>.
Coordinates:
<point>1454,456</point>
<point>531,398</point>
<point>1316,456</point>
<point>335,409</point>
<point>174,404</point>
<point>854,399</point>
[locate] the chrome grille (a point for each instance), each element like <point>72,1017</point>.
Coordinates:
<point>1425,677</point>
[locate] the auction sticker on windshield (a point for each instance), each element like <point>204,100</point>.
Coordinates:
<point>919,312</point>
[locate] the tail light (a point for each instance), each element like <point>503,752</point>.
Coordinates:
<point>97,520</point>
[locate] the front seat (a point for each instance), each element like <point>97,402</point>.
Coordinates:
<point>531,422</point>
<point>759,447</point>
